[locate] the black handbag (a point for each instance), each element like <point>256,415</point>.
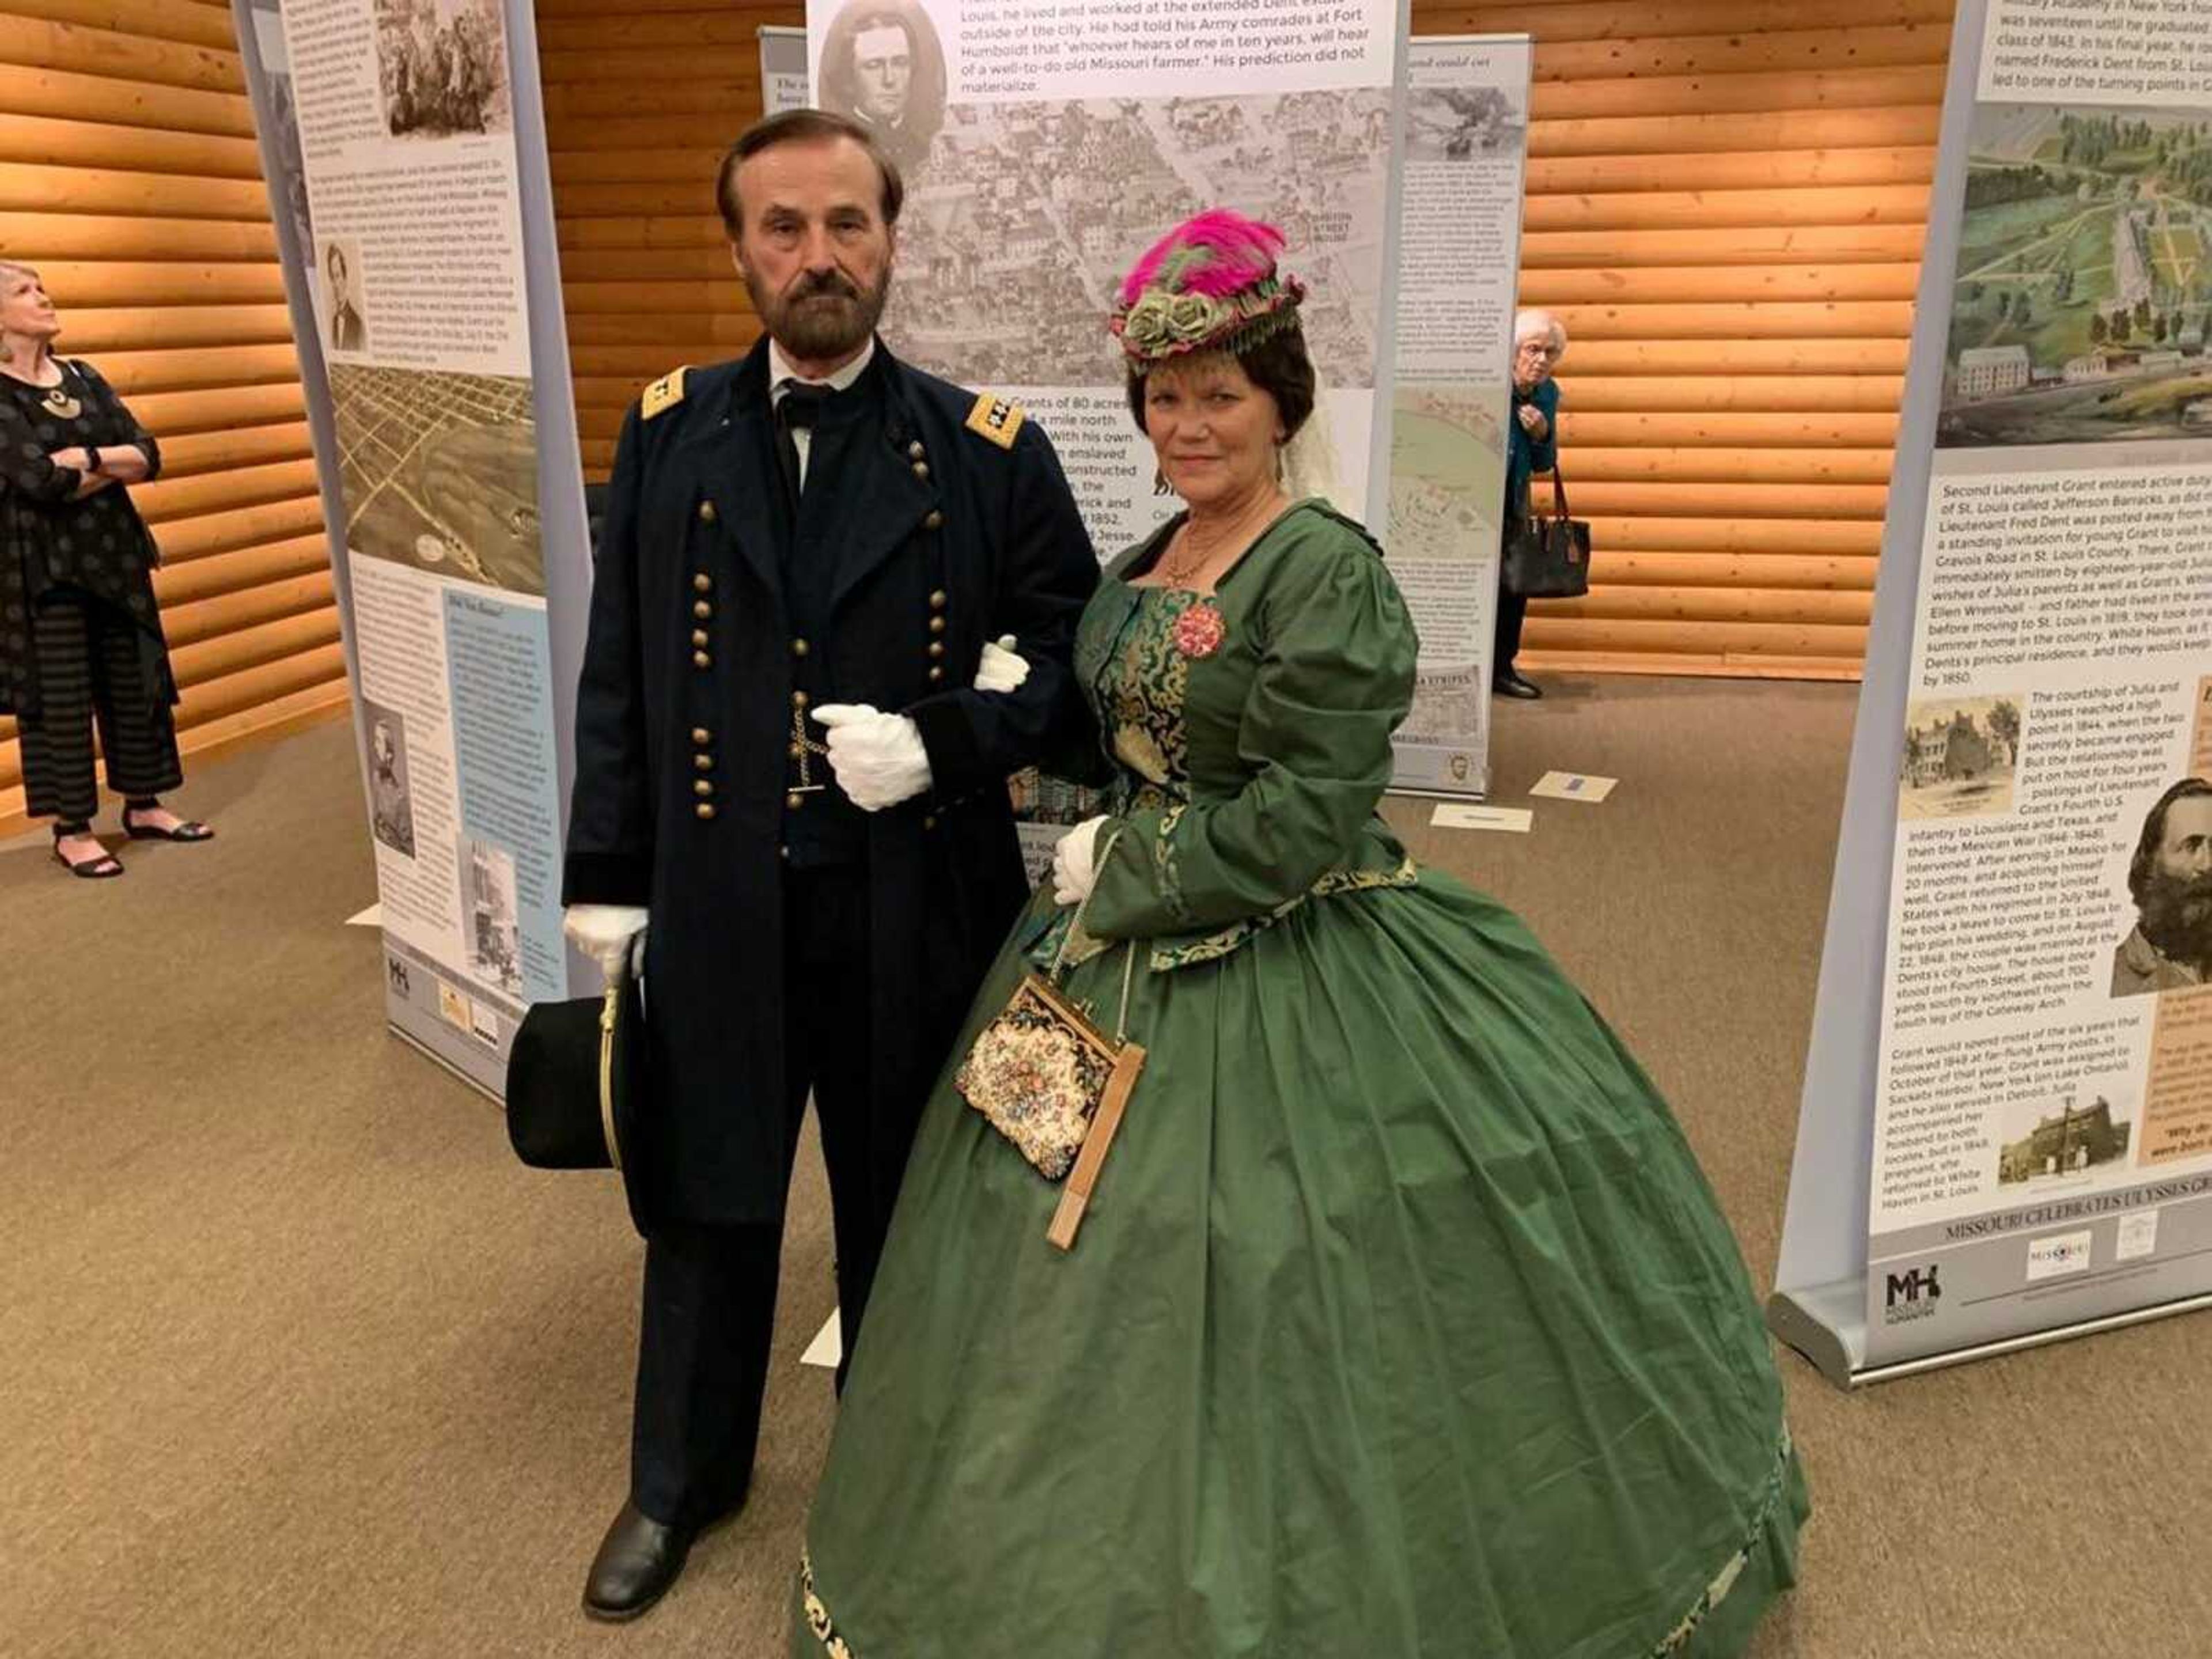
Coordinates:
<point>575,1080</point>
<point>1547,558</point>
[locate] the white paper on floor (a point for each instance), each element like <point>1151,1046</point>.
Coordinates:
<point>1573,786</point>
<point>1454,815</point>
<point>827,1346</point>
<point>372,917</point>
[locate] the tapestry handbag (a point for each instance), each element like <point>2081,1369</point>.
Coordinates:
<point>1548,557</point>
<point>1055,1084</point>
<point>572,1080</point>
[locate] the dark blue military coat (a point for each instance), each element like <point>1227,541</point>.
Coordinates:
<point>951,526</point>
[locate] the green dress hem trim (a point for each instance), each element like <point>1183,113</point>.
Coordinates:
<point>824,1626</point>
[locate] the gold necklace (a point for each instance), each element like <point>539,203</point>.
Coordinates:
<point>1180,574</point>
<point>58,401</point>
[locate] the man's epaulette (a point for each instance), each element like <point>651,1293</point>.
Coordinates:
<point>994,418</point>
<point>665,392</point>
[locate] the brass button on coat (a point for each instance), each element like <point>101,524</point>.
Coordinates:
<point>703,763</point>
<point>921,470</point>
<point>699,637</point>
<point>937,600</point>
<point>937,647</point>
<point>700,660</point>
<point>935,675</point>
<point>937,624</point>
<point>706,513</point>
<point>701,582</point>
<point>914,452</point>
<point>935,521</point>
<point>799,700</point>
<point>700,786</point>
<point>794,801</point>
<point>705,808</point>
<point>701,609</point>
<point>799,647</point>
<point>702,736</point>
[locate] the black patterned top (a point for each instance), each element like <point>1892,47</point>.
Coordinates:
<point>48,537</point>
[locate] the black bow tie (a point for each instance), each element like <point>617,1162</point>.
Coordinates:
<point>800,404</point>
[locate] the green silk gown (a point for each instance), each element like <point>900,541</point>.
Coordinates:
<point>1402,1325</point>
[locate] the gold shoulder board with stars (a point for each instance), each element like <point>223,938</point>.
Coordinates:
<point>665,392</point>
<point>996,419</point>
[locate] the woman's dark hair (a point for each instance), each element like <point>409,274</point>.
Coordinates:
<point>2154,832</point>
<point>802,126</point>
<point>1278,365</point>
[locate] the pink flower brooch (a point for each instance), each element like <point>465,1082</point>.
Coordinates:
<point>1199,630</point>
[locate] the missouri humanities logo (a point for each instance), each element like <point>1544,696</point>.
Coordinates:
<point>1911,1295</point>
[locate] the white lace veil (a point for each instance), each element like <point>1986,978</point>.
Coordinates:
<point>1310,461</point>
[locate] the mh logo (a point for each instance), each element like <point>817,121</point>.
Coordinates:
<point>1910,1288</point>
<point>397,971</point>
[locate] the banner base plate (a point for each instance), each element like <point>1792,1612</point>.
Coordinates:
<point>1826,1323</point>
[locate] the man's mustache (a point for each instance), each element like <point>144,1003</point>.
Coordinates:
<point>811,287</point>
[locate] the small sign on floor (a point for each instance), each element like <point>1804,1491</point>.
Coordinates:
<point>1573,786</point>
<point>1459,815</point>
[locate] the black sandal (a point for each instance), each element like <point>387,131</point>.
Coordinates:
<point>189,829</point>
<point>105,867</point>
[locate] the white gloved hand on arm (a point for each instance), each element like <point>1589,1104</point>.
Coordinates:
<point>1003,668</point>
<point>880,759</point>
<point>1074,863</point>
<point>612,935</point>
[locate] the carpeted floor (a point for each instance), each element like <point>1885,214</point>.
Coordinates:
<point>294,1360</point>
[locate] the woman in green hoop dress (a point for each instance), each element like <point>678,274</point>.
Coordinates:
<point>1402,1324</point>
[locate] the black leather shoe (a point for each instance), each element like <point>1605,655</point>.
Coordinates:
<point>638,1561</point>
<point>1511,685</point>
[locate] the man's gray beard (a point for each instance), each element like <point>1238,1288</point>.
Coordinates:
<point>814,332</point>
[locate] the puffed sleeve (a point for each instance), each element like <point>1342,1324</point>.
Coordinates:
<point>1334,679</point>
<point>611,828</point>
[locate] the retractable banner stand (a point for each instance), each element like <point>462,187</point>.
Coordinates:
<point>783,69</point>
<point>1466,155</point>
<point>415,219</point>
<point>1036,175</point>
<point>2007,1130</point>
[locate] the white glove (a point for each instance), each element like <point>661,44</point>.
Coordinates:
<point>1074,870</point>
<point>612,935</point>
<point>880,759</point>
<point>1003,667</point>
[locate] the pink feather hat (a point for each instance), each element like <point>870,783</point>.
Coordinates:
<point>1210,284</point>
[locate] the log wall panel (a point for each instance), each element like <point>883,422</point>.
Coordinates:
<point>1726,202</point>
<point>129,176</point>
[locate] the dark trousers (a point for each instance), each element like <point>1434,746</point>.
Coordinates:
<point>1505,643</point>
<point>710,1291</point>
<point>90,669</point>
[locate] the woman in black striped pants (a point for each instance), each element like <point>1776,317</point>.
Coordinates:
<point>80,633</point>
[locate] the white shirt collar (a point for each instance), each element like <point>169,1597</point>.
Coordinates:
<point>781,373</point>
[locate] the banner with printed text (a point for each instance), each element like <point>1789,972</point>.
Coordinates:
<point>399,158</point>
<point>1466,155</point>
<point>2039,1126</point>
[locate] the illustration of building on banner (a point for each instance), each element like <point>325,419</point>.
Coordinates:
<point>2015,1050</point>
